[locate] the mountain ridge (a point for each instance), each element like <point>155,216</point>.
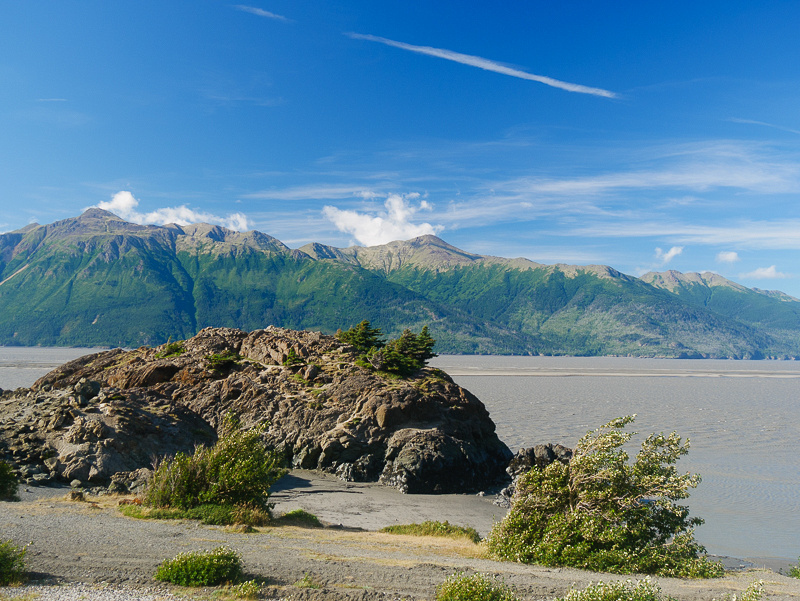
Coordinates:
<point>98,279</point>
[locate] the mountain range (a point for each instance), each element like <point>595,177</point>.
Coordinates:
<point>98,280</point>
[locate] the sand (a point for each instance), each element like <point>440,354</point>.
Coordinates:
<point>93,543</point>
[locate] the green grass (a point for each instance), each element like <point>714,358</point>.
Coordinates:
<point>202,568</point>
<point>214,515</point>
<point>477,587</point>
<point>299,517</point>
<point>307,581</point>
<point>430,528</point>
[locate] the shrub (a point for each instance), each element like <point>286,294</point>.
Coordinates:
<point>643,590</point>
<point>429,528</point>
<point>477,587</point>
<point>8,482</point>
<point>248,589</point>
<point>221,361</point>
<point>751,593</point>
<point>204,568</point>
<point>602,513</point>
<point>237,471</point>
<point>405,355</point>
<point>12,563</point>
<point>794,571</point>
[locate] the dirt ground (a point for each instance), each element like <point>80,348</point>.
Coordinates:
<point>92,542</point>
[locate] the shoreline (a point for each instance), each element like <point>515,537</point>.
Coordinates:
<point>89,548</point>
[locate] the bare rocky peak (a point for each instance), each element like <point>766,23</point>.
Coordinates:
<point>672,280</point>
<point>204,236</point>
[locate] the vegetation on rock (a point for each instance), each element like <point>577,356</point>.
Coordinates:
<point>600,512</point>
<point>402,356</point>
<point>237,471</point>
<point>477,587</point>
<point>205,568</point>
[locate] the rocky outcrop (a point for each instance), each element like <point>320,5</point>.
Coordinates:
<point>424,434</point>
<point>89,434</point>
<point>536,457</point>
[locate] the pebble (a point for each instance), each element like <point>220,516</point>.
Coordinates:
<point>85,592</point>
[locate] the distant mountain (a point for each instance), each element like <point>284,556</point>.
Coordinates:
<point>99,280</point>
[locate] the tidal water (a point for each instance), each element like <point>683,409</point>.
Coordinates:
<point>742,417</point>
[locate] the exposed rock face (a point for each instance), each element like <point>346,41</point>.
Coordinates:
<point>86,433</point>
<point>536,457</point>
<point>420,435</point>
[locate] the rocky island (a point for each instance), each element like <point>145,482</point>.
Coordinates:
<point>102,419</point>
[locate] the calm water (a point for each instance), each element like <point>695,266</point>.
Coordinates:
<point>743,419</point>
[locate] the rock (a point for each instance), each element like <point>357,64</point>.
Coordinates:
<point>102,418</point>
<point>536,457</point>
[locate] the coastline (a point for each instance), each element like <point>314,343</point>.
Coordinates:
<point>95,545</point>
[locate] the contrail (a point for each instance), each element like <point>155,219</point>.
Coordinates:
<point>486,64</point>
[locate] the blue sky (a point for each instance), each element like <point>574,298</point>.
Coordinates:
<point>645,136</point>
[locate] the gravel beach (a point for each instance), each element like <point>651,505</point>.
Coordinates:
<point>89,550</point>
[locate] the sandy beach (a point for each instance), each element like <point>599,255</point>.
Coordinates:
<point>93,551</point>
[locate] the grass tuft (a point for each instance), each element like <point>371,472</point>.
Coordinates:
<point>431,528</point>
<point>301,518</point>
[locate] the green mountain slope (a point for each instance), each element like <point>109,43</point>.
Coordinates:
<point>96,279</point>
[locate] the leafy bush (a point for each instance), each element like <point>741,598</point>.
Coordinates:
<point>752,593</point>
<point>204,568</point>
<point>602,513</point>
<point>237,471</point>
<point>430,528</point>
<point>794,571</point>
<point>248,589</point>
<point>643,590</point>
<point>8,482</point>
<point>477,587</point>
<point>12,563</point>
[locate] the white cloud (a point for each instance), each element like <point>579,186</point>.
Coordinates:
<point>486,64</point>
<point>123,204</point>
<point>392,224</point>
<point>666,257</point>
<point>765,273</point>
<point>727,256</point>
<point>260,12</point>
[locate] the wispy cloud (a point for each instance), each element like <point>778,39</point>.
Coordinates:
<point>395,223</point>
<point>51,100</point>
<point>765,273</point>
<point>486,64</point>
<point>315,192</point>
<point>260,12</point>
<point>783,234</point>
<point>666,257</point>
<point>764,124</point>
<point>727,256</point>
<point>123,204</point>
